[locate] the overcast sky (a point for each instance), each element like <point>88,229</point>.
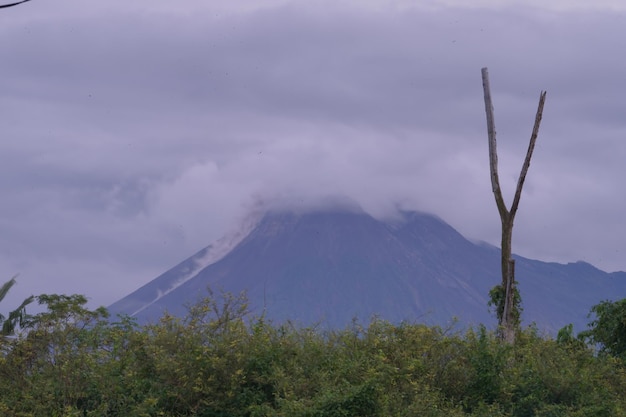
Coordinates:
<point>135,133</point>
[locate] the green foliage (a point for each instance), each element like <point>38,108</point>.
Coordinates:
<point>608,329</point>
<point>219,361</point>
<point>497,299</point>
<point>487,359</point>
<point>16,317</point>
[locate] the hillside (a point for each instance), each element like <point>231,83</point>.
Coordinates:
<point>330,266</point>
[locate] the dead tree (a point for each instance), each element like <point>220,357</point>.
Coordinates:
<point>508,307</point>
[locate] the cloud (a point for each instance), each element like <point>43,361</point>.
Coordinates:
<point>138,133</point>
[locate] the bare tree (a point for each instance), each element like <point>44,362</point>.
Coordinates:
<point>505,295</point>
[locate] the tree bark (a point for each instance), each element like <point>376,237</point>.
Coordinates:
<point>509,310</point>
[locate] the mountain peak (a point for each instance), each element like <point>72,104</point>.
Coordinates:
<point>336,262</point>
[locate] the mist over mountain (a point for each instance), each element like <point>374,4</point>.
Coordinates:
<point>332,263</point>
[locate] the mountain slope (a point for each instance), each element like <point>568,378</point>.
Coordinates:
<point>330,266</point>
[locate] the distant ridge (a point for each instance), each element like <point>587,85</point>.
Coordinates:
<point>329,266</point>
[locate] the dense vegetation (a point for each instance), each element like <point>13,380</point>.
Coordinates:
<point>218,361</point>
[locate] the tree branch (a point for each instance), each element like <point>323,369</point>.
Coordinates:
<point>529,154</point>
<point>12,4</point>
<point>493,155</point>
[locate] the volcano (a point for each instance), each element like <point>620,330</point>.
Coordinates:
<point>329,267</point>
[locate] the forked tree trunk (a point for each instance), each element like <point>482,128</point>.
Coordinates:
<point>509,308</point>
<point>509,319</point>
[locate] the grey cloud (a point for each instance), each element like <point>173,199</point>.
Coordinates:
<point>138,135</point>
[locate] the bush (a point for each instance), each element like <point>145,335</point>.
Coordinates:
<point>219,361</point>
